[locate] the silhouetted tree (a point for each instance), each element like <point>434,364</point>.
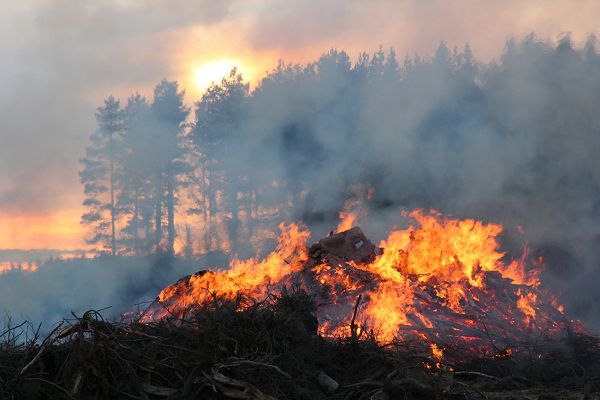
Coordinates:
<point>168,116</point>
<point>99,173</point>
<point>391,69</point>
<point>377,64</point>
<point>218,118</point>
<point>136,196</point>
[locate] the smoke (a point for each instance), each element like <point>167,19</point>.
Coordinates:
<point>114,285</point>
<point>57,57</point>
<point>513,141</point>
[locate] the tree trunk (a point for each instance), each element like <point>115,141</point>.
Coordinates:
<point>234,223</point>
<point>136,212</point>
<point>158,216</point>
<point>113,240</point>
<point>171,213</point>
<point>206,188</point>
<point>147,221</point>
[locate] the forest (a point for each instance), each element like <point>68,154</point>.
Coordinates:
<point>446,132</point>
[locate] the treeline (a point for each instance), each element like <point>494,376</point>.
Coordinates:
<point>510,139</point>
<point>147,163</point>
<point>132,170</point>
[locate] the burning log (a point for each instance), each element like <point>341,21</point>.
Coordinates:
<point>351,245</point>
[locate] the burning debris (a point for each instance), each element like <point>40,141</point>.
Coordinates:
<point>441,281</point>
<point>349,245</point>
<point>434,312</point>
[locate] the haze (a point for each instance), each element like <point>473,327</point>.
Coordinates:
<point>62,58</point>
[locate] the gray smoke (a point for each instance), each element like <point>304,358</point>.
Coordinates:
<point>58,57</point>
<point>114,285</point>
<point>513,142</point>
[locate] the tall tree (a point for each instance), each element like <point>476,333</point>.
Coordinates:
<point>99,175</point>
<point>169,114</point>
<point>218,119</point>
<point>391,69</point>
<point>136,195</point>
<point>377,64</point>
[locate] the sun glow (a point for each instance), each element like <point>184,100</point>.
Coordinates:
<point>59,229</point>
<point>204,75</point>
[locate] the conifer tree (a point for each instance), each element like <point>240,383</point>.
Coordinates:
<point>136,196</point>
<point>218,118</point>
<point>99,173</point>
<point>168,114</point>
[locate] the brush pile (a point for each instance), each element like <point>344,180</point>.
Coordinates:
<point>271,350</point>
<point>443,282</point>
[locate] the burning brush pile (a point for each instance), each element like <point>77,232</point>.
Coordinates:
<point>434,312</point>
<point>442,281</point>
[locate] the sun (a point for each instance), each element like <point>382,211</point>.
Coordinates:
<point>205,74</point>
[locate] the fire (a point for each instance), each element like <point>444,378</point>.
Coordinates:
<point>388,309</point>
<point>347,221</point>
<point>8,266</point>
<point>437,352</point>
<point>354,208</point>
<point>442,280</point>
<point>526,304</point>
<point>447,249</point>
<point>251,277</point>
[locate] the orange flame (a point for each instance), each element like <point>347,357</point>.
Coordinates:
<point>436,279</point>
<point>251,277</point>
<point>437,352</point>
<point>8,266</point>
<point>348,220</point>
<point>526,304</point>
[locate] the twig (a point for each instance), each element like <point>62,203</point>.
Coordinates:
<point>353,326</point>
<point>44,347</point>
<point>476,374</point>
<point>13,328</point>
<point>256,364</point>
<point>479,392</point>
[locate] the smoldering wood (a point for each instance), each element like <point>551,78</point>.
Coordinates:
<point>350,245</point>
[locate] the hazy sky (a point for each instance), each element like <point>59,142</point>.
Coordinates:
<point>60,59</point>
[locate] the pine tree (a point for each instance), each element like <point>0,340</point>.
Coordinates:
<point>218,116</point>
<point>168,115</point>
<point>136,196</point>
<point>391,69</point>
<point>99,176</point>
<point>377,64</point>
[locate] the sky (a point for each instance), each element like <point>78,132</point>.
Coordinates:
<point>60,59</point>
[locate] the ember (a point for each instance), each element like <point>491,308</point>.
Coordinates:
<point>441,280</point>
